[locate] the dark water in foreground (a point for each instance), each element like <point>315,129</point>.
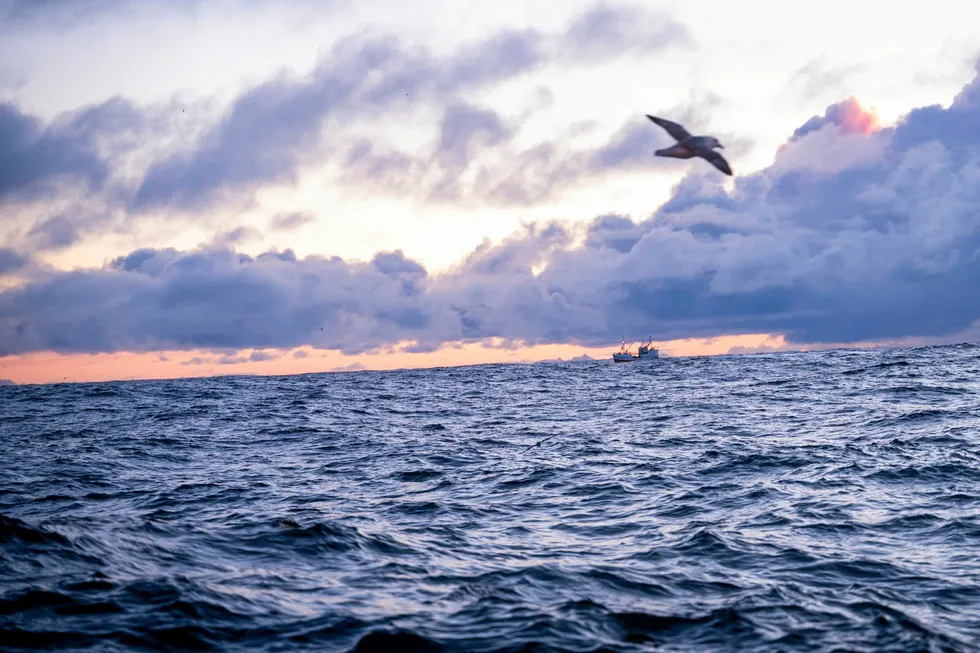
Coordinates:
<point>789,502</point>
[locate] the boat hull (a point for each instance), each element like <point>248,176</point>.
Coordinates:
<point>629,358</point>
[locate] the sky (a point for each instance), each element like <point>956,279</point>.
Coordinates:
<point>191,188</point>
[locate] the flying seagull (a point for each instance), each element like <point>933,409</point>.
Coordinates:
<point>688,146</point>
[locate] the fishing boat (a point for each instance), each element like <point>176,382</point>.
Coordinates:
<point>645,352</point>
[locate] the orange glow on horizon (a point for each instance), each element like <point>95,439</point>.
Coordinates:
<point>50,367</point>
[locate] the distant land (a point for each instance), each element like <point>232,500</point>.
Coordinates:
<point>575,359</point>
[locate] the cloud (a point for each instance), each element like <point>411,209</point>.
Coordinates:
<point>848,115</point>
<point>235,236</point>
<point>608,31</point>
<point>62,14</point>
<point>546,169</point>
<point>109,166</point>
<point>882,244</point>
<point>11,261</point>
<point>465,131</point>
<point>508,176</point>
<point>32,156</point>
<point>465,127</point>
<point>10,79</point>
<point>277,127</point>
<point>54,233</point>
<point>18,12</point>
<point>65,178</point>
<point>274,127</point>
<point>262,356</point>
<point>290,221</point>
<point>524,177</point>
<point>256,356</point>
<point>216,298</point>
<point>817,77</point>
<point>834,141</point>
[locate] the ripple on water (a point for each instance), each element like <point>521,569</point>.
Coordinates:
<point>793,502</point>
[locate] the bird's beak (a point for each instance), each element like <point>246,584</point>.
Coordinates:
<point>721,146</point>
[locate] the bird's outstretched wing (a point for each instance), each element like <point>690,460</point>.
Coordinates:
<point>717,161</point>
<point>675,130</point>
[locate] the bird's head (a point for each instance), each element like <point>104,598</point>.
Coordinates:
<point>715,143</point>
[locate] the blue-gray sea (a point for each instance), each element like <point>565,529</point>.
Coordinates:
<point>822,501</point>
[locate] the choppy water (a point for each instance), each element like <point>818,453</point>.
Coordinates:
<point>789,502</point>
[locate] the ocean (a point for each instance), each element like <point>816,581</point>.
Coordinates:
<point>819,501</point>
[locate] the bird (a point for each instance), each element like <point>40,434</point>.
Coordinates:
<point>688,146</point>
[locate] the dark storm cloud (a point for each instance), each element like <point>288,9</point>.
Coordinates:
<point>33,156</point>
<point>56,178</point>
<point>216,298</point>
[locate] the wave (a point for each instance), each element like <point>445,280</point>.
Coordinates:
<point>815,501</point>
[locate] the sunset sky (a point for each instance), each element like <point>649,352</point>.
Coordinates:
<point>203,187</point>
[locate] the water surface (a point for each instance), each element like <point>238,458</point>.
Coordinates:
<point>792,502</point>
